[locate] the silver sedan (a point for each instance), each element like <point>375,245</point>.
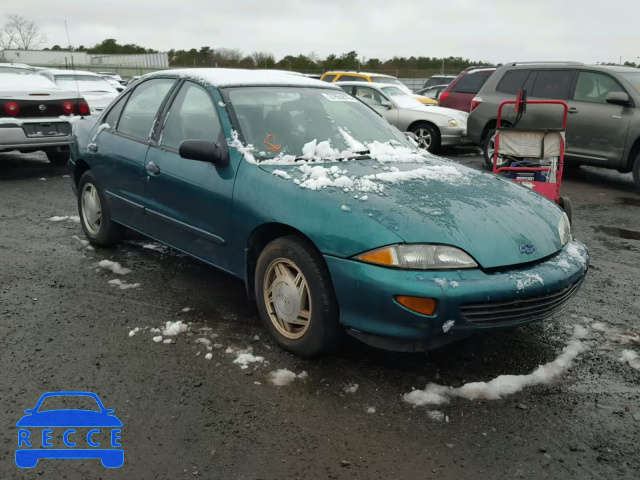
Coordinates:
<point>433,126</point>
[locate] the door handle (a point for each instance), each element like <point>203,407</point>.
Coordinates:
<point>573,110</point>
<point>93,147</point>
<point>152,168</point>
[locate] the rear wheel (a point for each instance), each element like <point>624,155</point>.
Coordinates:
<point>95,216</point>
<point>57,157</point>
<point>427,136</point>
<point>295,297</point>
<point>636,172</point>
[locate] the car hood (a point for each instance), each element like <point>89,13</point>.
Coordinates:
<point>69,418</point>
<point>438,201</point>
<point>99,100</point>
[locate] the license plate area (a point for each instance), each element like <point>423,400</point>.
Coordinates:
<point>47,129</point>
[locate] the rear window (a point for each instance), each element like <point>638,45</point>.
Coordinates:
<point>434,81</point>
<point>513,81</point>
<point>24,82</point>
<point>553,84</point>
<point>471,82</point>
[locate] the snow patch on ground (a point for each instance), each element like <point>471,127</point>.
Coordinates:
<point>630,357</point>
<point>283,377</point>
<point>208,356</point>
<point>371,409</point>
<point>116,282</point>
<point>436,415</point>
<point>175,328</point>
<point>244,359</point>
<point>157,339</point>
<point>352,388</point>
<point>59,218</point>
<point>503,385</point>
<point>115,267</point>
<point>134,331</point>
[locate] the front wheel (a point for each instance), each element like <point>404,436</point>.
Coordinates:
<point>295,297</point>
<point>427,136</point>
<point>95,216</point>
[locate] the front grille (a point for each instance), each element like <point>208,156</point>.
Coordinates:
<point>517,311</point>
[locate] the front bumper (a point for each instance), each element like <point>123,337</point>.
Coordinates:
<point>452,136</point>
<point>366,296</point>
<point>24,135</point>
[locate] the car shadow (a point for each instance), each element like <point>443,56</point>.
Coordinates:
<point>20,166</point>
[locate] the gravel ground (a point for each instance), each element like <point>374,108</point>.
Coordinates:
<point>63,327</point>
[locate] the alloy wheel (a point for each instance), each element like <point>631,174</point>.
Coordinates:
<point>424,138</point>
<point>91,209</point>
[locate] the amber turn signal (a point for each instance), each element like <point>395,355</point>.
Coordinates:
<point>425,306</point>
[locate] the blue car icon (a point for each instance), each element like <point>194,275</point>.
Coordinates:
<point>102,438</point>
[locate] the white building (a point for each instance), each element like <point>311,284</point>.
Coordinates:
<point>81,59</point>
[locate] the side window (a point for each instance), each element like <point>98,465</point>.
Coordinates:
<point>114,114</point>
<point>594,87</point>
<point>552,84</point>
<point>328,78</point>
<point>141,109</point>
<point>471,82</point>
<point>192,116</point>
<point>370,96</point>
<point>351,78</point>
<point>513,81</point>
<point>347,88</point>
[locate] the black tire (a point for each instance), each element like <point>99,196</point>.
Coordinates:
<point>434,135</point>
<point>58,157</point>
<point>565,204</point>
<point>636,172</point>
<point>109,233</point>
<point>323,332</point>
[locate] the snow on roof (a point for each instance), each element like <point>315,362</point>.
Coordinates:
<point>56,71</point>
<point>231,77</point>
<point>332,72</point>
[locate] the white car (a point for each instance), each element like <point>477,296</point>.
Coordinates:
<point>98,92</point>
<point>433,126</point>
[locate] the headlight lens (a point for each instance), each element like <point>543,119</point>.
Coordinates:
<point>453,123</point>
<point>418,257</point>
<point>564,229</point>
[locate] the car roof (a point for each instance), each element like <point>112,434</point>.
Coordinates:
<point>569,65</point>
<point>235,77</point>
<point>376,85</point>
<point>367,74</point>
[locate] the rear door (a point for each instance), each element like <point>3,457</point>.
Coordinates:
<point>596,130</point>
<point>462,91</point>
<point>118,150</point>
<point>190,201</point>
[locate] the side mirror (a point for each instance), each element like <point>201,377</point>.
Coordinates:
<point>203,151</point>
<point>386,104</point>
<point>618,98</point>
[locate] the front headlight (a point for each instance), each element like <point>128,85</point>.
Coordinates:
<point>418,257</point>
<point>564,229</point>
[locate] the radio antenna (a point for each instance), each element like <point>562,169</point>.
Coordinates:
<point>73,68</point>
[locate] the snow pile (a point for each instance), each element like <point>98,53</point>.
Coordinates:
<point>74,218</point>
<point>283,377</point>
<point>371,409</point>
<point>352,388</point>
<point>614,335</point>
<point>529,281</point>
<point>436,415</point>
<point>208,356</point>
<point>353,144</point>
<point>122,285</point>
<point>447,325</point>
<point>344,208</point>
<point>244,359</point>
<point>186,309</point>
<point>157,339</point>
<point>503,385</point>
<point>206,342</point>
<point>630,357</point>
<point>115,267</point>
<point>440,173</point>
<point>85,243</point>
<point>245,151</point>
<point>174,328</point>
<point>281,173</point>
<point>59,218</point>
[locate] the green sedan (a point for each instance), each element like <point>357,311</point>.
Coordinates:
<point>333,218</point>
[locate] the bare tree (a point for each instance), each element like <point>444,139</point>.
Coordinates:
<point>263,59</point>
<point>21,33</point>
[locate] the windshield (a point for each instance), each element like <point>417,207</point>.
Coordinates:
<point>282,120</point>
<point>85,83</point>
<point>633,79</point>
<point>401,99</point>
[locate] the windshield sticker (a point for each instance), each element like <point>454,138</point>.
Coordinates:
<point>339,97</point>
<point>268,145</point>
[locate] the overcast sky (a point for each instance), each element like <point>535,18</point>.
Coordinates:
<point>494,30</point>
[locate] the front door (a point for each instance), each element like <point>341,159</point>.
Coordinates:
<point>597,130</point>
<point>189,201</point>
<point>378,102</point>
